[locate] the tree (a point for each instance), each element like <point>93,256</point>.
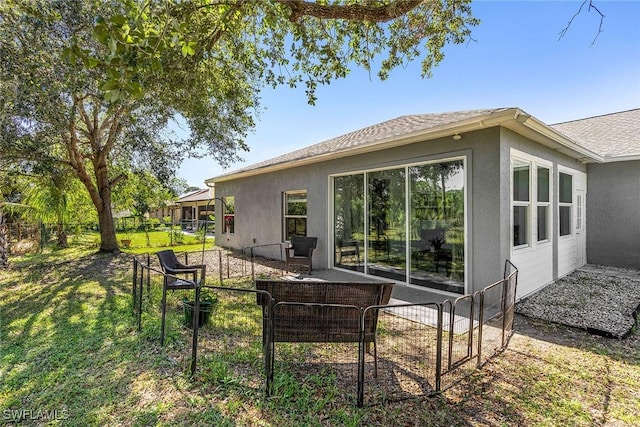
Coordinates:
<point>142,192</point>
<point>57,197</point>
<point>9,204</point>
<point>94,85</point>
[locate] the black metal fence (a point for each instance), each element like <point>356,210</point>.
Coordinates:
<point>422,348</point>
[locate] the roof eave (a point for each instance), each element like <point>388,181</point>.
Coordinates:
<point>511,118</point>
<point>546,135</point>
<point>468,125</point>
<point>624,158</point>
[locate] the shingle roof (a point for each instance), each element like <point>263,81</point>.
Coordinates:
<point>394,128</point>
<point>610,135</point>
<point>195,196</point>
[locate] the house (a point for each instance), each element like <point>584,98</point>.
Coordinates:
<point>441,200</point>
<point>190,210</point>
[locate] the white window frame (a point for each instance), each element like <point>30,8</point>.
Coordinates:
<point>521,203</point>
<point>570,205</point>
<point>546,205</point>
<point>227,215</point>
<point>365,172</point>
<point>285,216</point>
<point>533,203</point>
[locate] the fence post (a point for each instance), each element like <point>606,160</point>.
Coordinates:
<point>472,314</point>
<point>148,276</point>
<point>228,271</point>
<point>439,349</point>
<point>480,325</point>
<point>361,346</point>
<point>140,296</point>
<point>220,266</point>
<point>253,273</point>
<point>451,323</point>
<point>134,290</point>
<point>503,307</point>
<point>196,324</point>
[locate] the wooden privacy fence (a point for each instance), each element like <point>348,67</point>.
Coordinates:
<point>421,348</point>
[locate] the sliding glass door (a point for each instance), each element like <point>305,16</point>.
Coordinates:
<point>386,243</point>
<point>348,219</point>
<point>437,225</point>
<point>405,224</point>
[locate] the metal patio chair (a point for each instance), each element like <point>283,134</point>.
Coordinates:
<point>172,269</point>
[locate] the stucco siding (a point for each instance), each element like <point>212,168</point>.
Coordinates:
<point>258,199</point>
<point>613,214</point>
<point>486,225</point>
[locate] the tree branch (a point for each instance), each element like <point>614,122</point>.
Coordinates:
<point>564,31</point>
<point>591,5</point>
<point>117,179</point>
<point>362,12</point>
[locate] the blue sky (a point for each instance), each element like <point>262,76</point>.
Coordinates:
<point>516,60</point>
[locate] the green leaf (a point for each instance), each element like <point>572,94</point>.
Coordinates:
<point>90,62</point>
<point>110,85</point>
<point>135,90</point>
<point>119,20</point>
<point>187,50</point>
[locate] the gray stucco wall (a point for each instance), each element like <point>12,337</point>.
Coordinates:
<point>258,199</point>
<point>613,214</point>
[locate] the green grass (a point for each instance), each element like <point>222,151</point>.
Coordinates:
<point>70,351</point>
<point>158,239</point>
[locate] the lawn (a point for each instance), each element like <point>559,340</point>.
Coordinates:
<point>71,355</point>
<point>158,239</point>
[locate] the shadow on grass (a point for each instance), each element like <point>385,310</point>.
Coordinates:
<point>70,350</point>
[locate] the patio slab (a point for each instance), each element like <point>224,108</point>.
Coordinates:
<point>401,292</point>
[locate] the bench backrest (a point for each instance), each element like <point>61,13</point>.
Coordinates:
<point>335,318</point>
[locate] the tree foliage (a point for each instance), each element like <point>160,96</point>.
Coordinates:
<point>93,85</point>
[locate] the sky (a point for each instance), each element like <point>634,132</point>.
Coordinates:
<point>515,60</point>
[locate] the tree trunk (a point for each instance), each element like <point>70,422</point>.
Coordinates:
<point>4,242</point>
<point>108,242</point>
<point>61,234</point>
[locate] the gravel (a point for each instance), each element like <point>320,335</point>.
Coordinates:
<point>602,300</point>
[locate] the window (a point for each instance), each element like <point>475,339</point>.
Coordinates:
<point>521,202</point>
<point>405,223</point>
<point>565,202</point>
<point>295,214</point>
<point>229,214</point>
<point>543,203</point>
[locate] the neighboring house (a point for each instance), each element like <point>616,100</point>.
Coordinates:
<point>190,209</point>
<point>194,208</point>
<point>441,200</point>
<point>168,209</point>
